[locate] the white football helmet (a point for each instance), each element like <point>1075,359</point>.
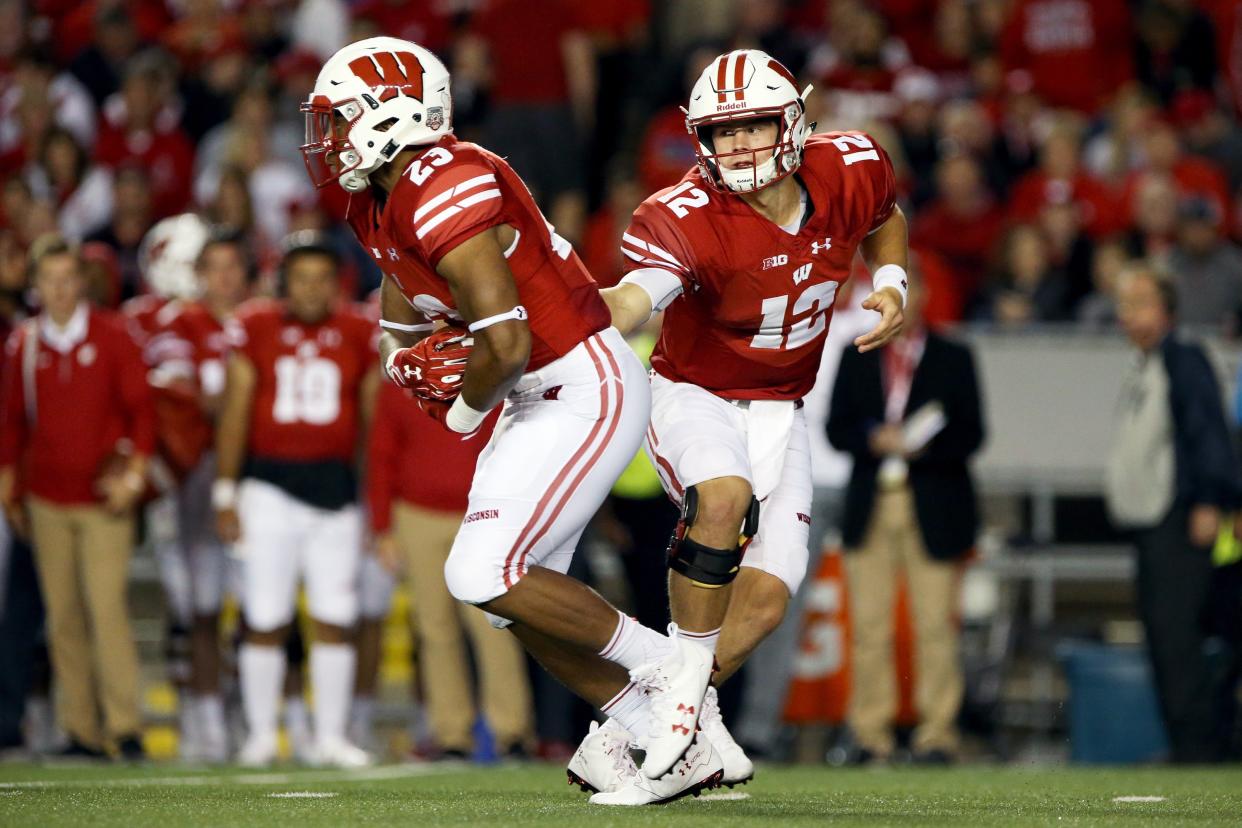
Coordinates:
<point>167,255</point>
<point>372,99</point>
<point>740,86</point>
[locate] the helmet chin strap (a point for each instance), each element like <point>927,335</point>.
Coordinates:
<point>749,179</point>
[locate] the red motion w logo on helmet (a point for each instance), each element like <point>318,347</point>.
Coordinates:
<point>395,72</point>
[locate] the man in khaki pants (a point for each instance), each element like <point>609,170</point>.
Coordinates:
<point>910,416</point>
<point>74,390</point>
<point>418,481</point>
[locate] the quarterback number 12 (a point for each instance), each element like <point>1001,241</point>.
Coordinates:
<point>812,305</point>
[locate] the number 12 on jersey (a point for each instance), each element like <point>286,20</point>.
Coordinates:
<point>812,305</point>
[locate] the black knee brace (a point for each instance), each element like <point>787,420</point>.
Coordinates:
<point>704,565</point>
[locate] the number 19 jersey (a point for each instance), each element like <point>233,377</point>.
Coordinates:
<point>747,303</point>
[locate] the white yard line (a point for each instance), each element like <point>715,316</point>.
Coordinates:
<point>724,796</point>
<point>1138,799</point>
<point>363,775</point>
<point>302,795</point>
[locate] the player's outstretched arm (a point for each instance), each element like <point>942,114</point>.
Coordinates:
<point>232,431</point>
<point>630,306</point>
<point>483,288</point>
<point>887,255</point>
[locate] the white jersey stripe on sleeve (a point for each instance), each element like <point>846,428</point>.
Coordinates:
<point>468,184</point>
<point>646,260</point>
<point>452,210</point>
<point>648,246</point>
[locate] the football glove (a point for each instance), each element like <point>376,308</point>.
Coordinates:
<point>434,368</point>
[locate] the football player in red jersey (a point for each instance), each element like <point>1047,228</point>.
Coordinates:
<point>299,387</point>
<point>460,240</point>
<point>745,256</point>
<point>188,351</point>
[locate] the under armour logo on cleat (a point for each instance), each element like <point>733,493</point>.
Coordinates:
<point>681,708</point>
<point>682,729</point>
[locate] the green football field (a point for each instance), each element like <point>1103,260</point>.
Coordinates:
<point>537,794</point>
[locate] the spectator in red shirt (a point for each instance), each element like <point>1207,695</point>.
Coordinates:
<point>415,516</point>
<point>1077,51</point>
<point>75,393</point>
<point>1060,179</point>
<point>1192,176</point>
<point>538,68</point>
<point>140,125</point>
<point>961,225</point>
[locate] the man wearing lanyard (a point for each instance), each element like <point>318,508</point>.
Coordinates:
<point>909,415</point>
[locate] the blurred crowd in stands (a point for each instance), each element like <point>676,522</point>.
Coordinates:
<point>1039,143</point>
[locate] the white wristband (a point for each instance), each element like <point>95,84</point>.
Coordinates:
<point>223,494</point>
<point>891,275</point>
<point>462,418</point>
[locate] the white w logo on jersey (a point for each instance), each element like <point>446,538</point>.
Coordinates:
<point>802,274</point>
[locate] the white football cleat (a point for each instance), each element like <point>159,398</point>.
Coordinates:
<point>700,768</point>
<point>738,769</point>
<point>602,763</point>
<point>259,751</point>
<point>341,754</point>
<point>675,686</point>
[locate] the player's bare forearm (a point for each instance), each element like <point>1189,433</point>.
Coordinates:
<point>395,309</point>
<point>232,429</point>
<point>630,306</point>
<point>885,246</point>
<point>888,243</point>
<point>483,287</point>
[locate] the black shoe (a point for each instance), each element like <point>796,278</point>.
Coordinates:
<point>515,753</point>
<point>130,749</point>
<point>452,755</point>
<point>933,758</point>
<point>75,750</point>
<point>861,757</point>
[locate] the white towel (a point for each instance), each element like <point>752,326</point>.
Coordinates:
<point>769,424</point>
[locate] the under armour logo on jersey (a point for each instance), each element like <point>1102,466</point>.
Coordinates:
<point>392,254</point>
<point>802,274</point>
<point>816,246</point>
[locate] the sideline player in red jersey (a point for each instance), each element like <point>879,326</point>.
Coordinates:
<point>299,388</point>
<point>745,257</point>
<point>188,352</point>
<point>460,240</point>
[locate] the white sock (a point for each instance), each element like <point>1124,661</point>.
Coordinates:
<point>261,671</point>
<point>332,678</point>
<point>703,639</point>
<point>631,709</point>
<point>633,645</point>
<point>189,727</point>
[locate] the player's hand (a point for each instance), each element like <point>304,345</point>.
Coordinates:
<point>1204,524</point>
<point>888,303</point>
<point>435,367</point>
<point>388,553</point>
<point>438,411</point>
<point>228,525</point>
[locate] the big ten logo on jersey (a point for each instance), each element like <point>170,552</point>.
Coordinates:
<point>308,386</point>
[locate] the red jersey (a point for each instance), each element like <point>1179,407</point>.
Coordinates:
<point>308,380</point>
<point>452,192</point>
<point>755,300</point>
<point>88,398</point>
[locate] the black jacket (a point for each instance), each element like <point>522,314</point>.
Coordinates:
<point>944,497</point>
<point>1206,469</point>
